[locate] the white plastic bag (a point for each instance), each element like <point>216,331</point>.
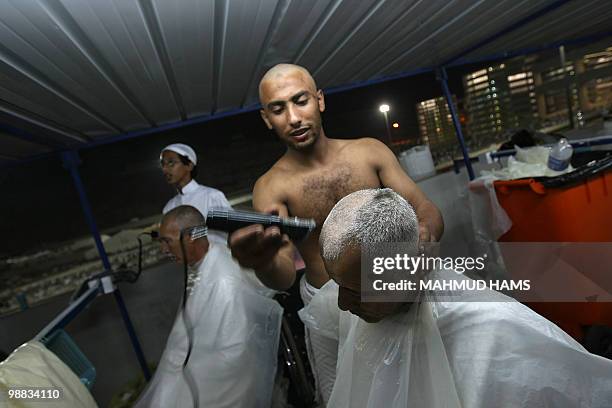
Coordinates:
<point>32,365</point>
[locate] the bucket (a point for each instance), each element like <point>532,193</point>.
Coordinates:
<point>417,162</point>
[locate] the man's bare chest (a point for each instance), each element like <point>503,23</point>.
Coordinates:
<point>314,194</point>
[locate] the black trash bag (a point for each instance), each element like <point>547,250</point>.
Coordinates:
<point>520,138</point>
<point>580,174</point>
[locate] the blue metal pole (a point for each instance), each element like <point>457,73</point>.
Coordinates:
<point>132,334</point>
<point>443,78</point>
<point>71,163</point>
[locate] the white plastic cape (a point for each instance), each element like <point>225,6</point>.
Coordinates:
<point>32,365</point>
<point>458,354</point>
<point>236,330</point>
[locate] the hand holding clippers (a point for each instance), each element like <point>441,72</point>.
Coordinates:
<point>229,221</point>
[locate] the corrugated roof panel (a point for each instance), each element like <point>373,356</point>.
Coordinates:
<point>290,32</point>
<point>90,69</point>
<point>483,22</point>
<point>242,32</point>
<point>412,20</point>
<point>572,20</point>
<point>51,46</point>
<point>23,88</point>
<point>187,30</point>
<point>117,39</point>
<point>338,25</point>
<point>53,133</point>
<point>370,26</point>
<point>447,18</point>
<point>561,24</point>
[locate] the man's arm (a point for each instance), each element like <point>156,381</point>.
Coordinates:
<point>392,175</point>
<point>267,251</point>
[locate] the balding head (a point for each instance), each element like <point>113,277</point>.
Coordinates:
<point>280,71</point>
<point>175,221</point>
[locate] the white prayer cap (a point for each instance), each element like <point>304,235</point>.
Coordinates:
<point>183,150</point>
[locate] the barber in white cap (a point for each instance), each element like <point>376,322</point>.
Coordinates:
<point>179,165</point>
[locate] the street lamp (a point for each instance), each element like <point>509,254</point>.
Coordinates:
<point>384,108</point>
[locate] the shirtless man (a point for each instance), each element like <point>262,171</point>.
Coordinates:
<point>308,180</point>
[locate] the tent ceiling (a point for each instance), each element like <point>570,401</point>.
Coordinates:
<point>77,72</point>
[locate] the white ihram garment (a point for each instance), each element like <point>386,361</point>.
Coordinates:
<point>322,350</point>
<point>236,330</point>
<point>497,353</point>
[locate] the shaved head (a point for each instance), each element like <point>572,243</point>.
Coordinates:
<point>291,105</point>
<point>281,71</point>
<point>185,216</point>
<point>172,223</point>
<point>368,217</point>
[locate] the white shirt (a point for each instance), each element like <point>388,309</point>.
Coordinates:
<point>236,329</point>
<point>203,198</point>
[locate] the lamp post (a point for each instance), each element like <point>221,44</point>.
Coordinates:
<point>384,108</point>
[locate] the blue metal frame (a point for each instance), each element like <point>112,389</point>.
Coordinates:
<point>71,162</point>
<point>132,333</point>
<point>68,314</point>
<point>443,78</point>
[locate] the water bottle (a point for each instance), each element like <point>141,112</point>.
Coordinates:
<point>560,155</point>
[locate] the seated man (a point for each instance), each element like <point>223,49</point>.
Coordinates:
<point>228,327</point>
<point>431,353</point>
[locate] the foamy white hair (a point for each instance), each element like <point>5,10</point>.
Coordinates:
<point>368,217</point>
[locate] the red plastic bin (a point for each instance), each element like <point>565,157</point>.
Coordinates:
<point>581,212</point>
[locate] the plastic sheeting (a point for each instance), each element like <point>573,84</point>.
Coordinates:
<point>322,350</point>
<point>32,365</point>
<point>496,353</point>
<point>490,220</point>
<point>236,330</point>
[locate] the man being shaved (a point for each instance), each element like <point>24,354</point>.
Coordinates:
<point>222,349</point>
<point>493,352</point>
